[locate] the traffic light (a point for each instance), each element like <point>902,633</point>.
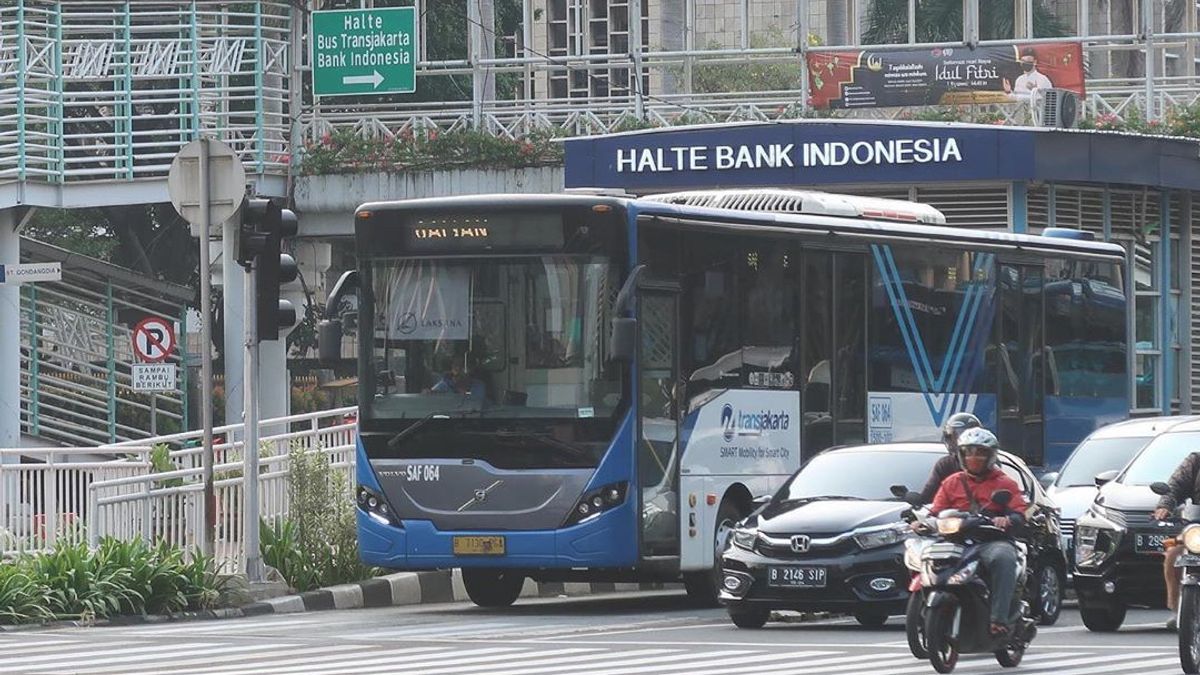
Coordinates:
<point>260,238</point>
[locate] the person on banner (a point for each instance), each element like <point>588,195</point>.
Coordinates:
<point>1031,82</point>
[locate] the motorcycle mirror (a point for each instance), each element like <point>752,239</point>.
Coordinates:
<point>914,498</point>
<point>1160,488</point>
<point>899,491</point>
<point>1001,497</point>
<point>762,500</point>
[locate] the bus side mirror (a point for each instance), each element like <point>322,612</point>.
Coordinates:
<point>623,340</point>
<point>329,341</point>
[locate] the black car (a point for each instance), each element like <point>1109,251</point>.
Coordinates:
<point>1118,545</point>
<point>832,539</point>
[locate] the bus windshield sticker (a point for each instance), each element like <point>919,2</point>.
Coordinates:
<point>429,301</point>
<point>587,412</point>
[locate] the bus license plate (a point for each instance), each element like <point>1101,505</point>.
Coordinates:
<point>479,546</point>
<point>1149,543</point>
<point>796,577</point>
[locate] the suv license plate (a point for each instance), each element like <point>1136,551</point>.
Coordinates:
<point>796,577</point>
<point>1149,543</point>
<point>478,545</point>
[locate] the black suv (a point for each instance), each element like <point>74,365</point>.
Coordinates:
<point>1118,545</point>
<point>832,539</point>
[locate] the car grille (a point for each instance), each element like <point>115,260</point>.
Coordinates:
<point>1066,528</point>
<point>785,552</point>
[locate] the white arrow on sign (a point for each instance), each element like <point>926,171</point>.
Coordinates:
<point>374,79</point>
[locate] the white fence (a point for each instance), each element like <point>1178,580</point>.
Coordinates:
<point>126,499</point>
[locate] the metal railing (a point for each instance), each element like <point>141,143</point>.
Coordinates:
<point>105,90</point>
<point>168,506</point>
<point>77,353</point>
<point>44,493</point>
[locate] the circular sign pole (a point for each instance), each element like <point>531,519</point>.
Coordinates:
<point>201,200</point>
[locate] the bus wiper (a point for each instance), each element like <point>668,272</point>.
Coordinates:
<point>436,414</point>
<point>548,438</point>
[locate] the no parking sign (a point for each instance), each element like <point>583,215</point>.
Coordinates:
<point>153,340</point>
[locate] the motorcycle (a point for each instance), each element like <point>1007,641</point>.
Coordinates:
<point>955,612</point>
<point>1186,516</point>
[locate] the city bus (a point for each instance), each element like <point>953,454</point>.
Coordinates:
<point>586,387</point>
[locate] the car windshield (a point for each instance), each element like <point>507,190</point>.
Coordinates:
<point>860,475</point>
<point>1097,456</point>
<point>1160,458</point>
<point>503,337</point>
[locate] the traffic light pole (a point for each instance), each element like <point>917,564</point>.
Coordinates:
<point>250,511</point>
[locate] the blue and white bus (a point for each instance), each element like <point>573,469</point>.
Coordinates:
<point>593,388</point>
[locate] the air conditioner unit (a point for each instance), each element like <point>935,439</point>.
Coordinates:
<point>1060,108</point>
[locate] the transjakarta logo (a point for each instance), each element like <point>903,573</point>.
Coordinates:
<point>751,424</point>
<point>780,155</point>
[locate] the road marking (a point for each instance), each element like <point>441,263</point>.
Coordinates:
<point>535,663</point>
<point>109,651</point>
<point>626,661</point>
<point>288,659</point>
<point>1141,666</point>
<point>210,661</point>
<point>474,656</point>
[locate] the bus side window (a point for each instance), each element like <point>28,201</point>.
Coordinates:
<point>712,348</point>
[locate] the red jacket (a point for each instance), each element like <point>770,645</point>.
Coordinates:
<point>952,495</point>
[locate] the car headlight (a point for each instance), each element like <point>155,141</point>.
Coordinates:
<point>1191,538</point>
<point>1093,545</point>
<point>878,538</point>
<point>744,538</point>
<point>949,525</point>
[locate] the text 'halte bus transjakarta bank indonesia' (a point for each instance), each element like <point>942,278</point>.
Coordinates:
<point>380,39</point>
<point>788,155</point>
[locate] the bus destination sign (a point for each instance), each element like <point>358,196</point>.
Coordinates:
<point>501,231</point>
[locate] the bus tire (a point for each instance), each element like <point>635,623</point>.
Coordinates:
<point>704,587</point>
<point>492,588</point>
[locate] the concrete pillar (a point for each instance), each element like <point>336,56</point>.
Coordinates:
<point>232,312</point>
<point>10,337</point>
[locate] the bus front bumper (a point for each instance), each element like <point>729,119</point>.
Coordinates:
<point>604,541</point>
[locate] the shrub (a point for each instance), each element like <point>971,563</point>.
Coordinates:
<point>133,577</point>
<point>316,545</point>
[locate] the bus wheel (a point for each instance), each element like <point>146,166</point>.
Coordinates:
<point>703,587</point>
<point>492,588</point>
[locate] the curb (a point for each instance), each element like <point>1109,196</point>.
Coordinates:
<point>423,588</point>
<point>136,620</point>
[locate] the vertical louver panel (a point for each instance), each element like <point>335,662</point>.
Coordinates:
<point>1192,302</point>
<point>979,207</point>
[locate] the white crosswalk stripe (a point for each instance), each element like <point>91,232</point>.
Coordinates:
<point>136,654</point>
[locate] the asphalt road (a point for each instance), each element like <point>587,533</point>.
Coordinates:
<point>651,633</point>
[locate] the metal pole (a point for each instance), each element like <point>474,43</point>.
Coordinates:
<point>1148,38</point>
<point>635,50</point>
<point>912,21</point>
<point>208,545</point>
<point>10,338</point>
<point>250,512</point>
<point>802,47</point>
<point>475,53</point>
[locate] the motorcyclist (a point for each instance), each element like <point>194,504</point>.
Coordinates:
<point>971,490</point>
<point>950,464</point>
<point>1185,484</point>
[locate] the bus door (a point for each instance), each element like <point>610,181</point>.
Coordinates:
<point>658,420</point>
<point>1022,347</point>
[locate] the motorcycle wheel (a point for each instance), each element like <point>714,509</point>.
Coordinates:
<point>943,652</point>
<point>1011,655</point>
<point>914,625</point>
<point>1189,629</point>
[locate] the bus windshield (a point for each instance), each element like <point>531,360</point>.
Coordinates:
<point>492,337</point>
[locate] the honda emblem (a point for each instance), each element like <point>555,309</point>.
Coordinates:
<point>800,543</point>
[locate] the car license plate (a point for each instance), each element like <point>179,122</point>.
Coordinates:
<point>1149,543</point>
<point>479,546</point>
<point>796,577</point>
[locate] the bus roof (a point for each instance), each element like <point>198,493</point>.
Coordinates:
<point>817,224</point>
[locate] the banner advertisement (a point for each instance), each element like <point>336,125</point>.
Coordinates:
<point>430,302</point>
<point>878,78</point>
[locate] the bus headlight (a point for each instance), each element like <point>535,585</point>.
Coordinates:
<point>375,506</point>
<point>595,502</point>
<point>1191,538</point>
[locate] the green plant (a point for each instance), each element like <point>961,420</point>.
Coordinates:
<point>21,597</point>
<point>76,586</point>
<point>316,545</point>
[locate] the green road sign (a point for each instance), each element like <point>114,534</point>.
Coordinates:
<point>364,51</point>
